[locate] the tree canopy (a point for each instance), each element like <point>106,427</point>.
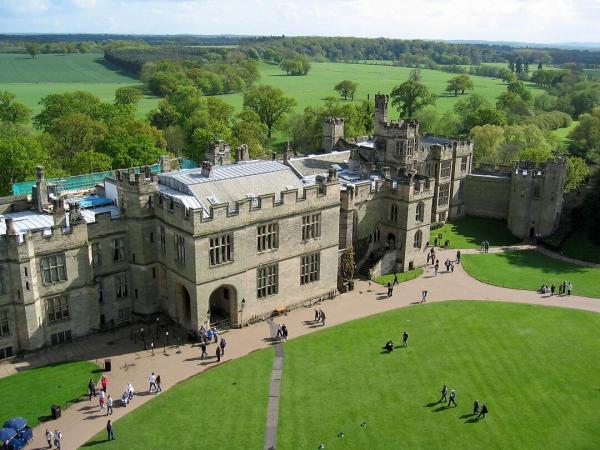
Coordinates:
<point>411,96</point>
<point>269,104</point>
<point>346,88</point>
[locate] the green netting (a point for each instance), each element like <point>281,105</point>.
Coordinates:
<point>88,181</point>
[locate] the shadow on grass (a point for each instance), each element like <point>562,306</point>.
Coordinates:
<point>473,420</point>
<point>92,443</point>
<point>531,259</point>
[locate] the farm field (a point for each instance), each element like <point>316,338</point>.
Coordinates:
<point>31,393</point>
<point>510,356</point>
<point>529,270</point>
<point>31,79</point>
<point>311,89</point>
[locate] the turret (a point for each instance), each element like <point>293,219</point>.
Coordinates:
<point>333,131</point>
<point>218,153</point>
<point>40,191</point>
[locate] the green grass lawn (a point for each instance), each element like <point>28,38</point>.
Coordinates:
<point>470,232</point>
<point>564,132</point>
<point>402,277</point>
<point>580,246</point>
<point>224,407</point>
<point>318,84</point>
<point>534,367</point>
<point>31,79</point>
<point>529,270</point>
<point>30,394</point>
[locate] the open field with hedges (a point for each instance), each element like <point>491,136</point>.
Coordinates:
<point>532,365</point>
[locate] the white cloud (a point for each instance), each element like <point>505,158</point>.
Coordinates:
<point>516,20</point>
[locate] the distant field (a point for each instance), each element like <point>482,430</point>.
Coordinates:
<point>318,84</point>
<point>31,79</point>
<point>564,132</point>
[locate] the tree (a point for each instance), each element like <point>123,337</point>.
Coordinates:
<point>524,143</point>
<point>56,106</point>
<point>411,96</point>
<point>415,75</point>
<point>269,104</point>
<point>348,264</point>
<point>78,132</point>
<point>89,162</point>
<point>249,130</point>
<point>11,111</point>
<point>128,95</point>
<point>487,140</point>
<point>540,65</point>
<point>577,172</point>
<point>459,83</point>
<point>33,49</point>
<point>296,65</point>
<point>586,136</point>
<point>346,88</point>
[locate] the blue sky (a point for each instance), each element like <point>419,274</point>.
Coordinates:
<point>510,20</point>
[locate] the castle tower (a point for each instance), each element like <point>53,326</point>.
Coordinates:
<point>40,190</point>
<point>381,112</point>
<point>536,198</point>
<point>333,131</point>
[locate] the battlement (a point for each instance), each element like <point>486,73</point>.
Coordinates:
<point>539,169</point>
<point>334,120</point>
<point>139,183</point>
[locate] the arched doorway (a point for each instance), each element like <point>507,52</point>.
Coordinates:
<point>391,240</point>
<point>183,305</point>
<point>531,233</point>
<point>223,305</point>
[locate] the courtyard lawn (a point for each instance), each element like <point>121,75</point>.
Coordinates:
<point>529,270</point>
<point>31,79</point>
<point>223,408</point>
<point>402,277</point>
<point>534,366</point>
<point>580,246</point>
<point>31,393</point>
<point>470,232</point>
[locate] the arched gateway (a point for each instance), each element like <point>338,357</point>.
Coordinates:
<point>223,306</point>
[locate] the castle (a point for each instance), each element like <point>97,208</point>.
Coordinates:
<point>234,240</point>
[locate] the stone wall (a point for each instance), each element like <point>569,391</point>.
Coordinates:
<point>487,196</point>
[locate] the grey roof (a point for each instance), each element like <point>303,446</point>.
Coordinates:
<point>25,221</point>
<point>228,183</point>
<point>317,164</point>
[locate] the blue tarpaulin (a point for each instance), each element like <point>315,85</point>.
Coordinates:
<point>16,423</point>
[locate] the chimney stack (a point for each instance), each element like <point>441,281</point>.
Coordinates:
<point>165,164</point>
<point>287,150</point>
<point>206,168</point>
<point>58,212</point>
<point>40,190</point>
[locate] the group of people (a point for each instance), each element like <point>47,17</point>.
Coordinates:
<point>485,247</point>
<point>478,410</point>
<point>128,395</point>
<point>214,338</point>
<point>320,317</point>
<point>389,345</point>
<point>154,382</point>
<point>564,288</point>
<point>282,332</point>
<point>53,438</point>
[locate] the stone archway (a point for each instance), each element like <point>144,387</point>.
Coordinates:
<point>223,305</point>
<point>184,303</point>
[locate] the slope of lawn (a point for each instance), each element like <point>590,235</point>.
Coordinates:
<point>402,277</point>
<point>470,232</point>
<point>30,393</point>
<point>532,365</point>
<point>580,246</point>
<point>31,79</point>
<point>529,270</point>
<point>224,407</point>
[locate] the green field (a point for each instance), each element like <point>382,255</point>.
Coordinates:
<point>529,270</point>
<point>532,365</point>
<point>470,232</point>
<point>31,79</point>
<point>31,393</point>
<point>580,246</point>
<point>318,84</point>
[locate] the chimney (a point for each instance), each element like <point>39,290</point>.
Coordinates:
<point>287,152</point>
<point>74,213</point>
<point>386,173</point>
<point>58,212</point>
<point>10,226</point>
<point>206,168</point>
<point>165,164</point>
<point>147,172</point>
<point>274,156</point>
<point>40,191</point>
<point>332,176</point>
<point>242,153</point>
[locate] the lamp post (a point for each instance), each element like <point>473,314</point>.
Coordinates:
<point>143,337</point>
<point>152,347</point>
<point>242,306</point>
<point>166,341</point>
<point>157,326</point>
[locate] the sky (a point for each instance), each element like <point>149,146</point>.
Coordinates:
<point>540,21</point>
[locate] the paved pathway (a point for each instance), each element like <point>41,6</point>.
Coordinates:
<point>273,406</point>
<point>130,364</point>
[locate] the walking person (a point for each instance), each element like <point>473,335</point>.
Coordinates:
<point>451,266</point>
<point>49,437</point>
<point>222,344</point>
<point>552,289</point>
<point>396,279</point>
<point>405,339</point>
<point>389,289</point>
<point>452,398</point>
<point>91,389</point>
<point>483,412</point>
<point>322,314</point>
<point>475,407</point>
<point>316,316</point>
<point>101,400</point>
<point>218,353</point>
<point>284,332</point>
<point>104,383</point>
<point>279,332</point>
<point>109,406</point>
<point>57,439</point>
<point>569,288</point>
<point>423,296</point>
<point>152,382</point>
<point>203,348</point>
<point>458,257</point>
<point>109,430</point>
<point>158,384</point>
<point>560,289</point>
<point>215,335</point>
<point>444,392</point>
